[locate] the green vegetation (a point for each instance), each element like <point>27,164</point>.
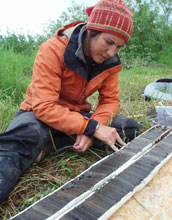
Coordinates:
<point>145,59</point>
<point>15,73</point>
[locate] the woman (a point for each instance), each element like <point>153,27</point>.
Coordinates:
<point>80,59</point>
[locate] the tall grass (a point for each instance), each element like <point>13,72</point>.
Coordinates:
<point>15,74</point>
<point>8,108</point>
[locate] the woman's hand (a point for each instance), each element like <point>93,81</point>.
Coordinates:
<point>82,143</point>
<point>109,136</point>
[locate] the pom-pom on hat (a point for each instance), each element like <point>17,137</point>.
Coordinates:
<point>111,16</point>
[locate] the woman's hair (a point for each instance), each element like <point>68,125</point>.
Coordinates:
<point>93,33</point>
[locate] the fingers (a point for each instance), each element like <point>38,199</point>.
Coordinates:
<point>120,141</point>
<point>112,143</point>
<point>77,140</point>
<point>106,134</point>
<point>114,148</point>
<point>109,136</point>
<point>82,143</point>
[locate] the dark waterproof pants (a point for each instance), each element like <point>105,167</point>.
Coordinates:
<point>26,136</point>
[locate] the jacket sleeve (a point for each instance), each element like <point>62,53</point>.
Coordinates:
<point>46,86</point>
<point>109,99</point>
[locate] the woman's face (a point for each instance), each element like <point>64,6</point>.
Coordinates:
<point>102,46</point>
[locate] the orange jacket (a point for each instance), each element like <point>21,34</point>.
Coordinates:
<point>57,94</point>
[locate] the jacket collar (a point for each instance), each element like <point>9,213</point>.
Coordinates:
<point>74,57</point>
<point>79,52</point>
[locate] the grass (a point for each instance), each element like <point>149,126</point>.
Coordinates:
<point>132,84</point>
<point>8,108</point>
<point>15,73</point>
<point>54,171</point>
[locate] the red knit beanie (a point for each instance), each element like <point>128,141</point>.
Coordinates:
<point>111,16</point>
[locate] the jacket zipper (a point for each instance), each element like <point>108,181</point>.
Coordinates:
<point>84,91</point>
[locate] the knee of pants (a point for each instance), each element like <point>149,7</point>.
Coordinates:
<point>126,127</point>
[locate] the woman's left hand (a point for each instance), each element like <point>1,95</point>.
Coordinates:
<point>82,143</point>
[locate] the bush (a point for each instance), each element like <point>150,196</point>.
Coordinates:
<point>165,57</point>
